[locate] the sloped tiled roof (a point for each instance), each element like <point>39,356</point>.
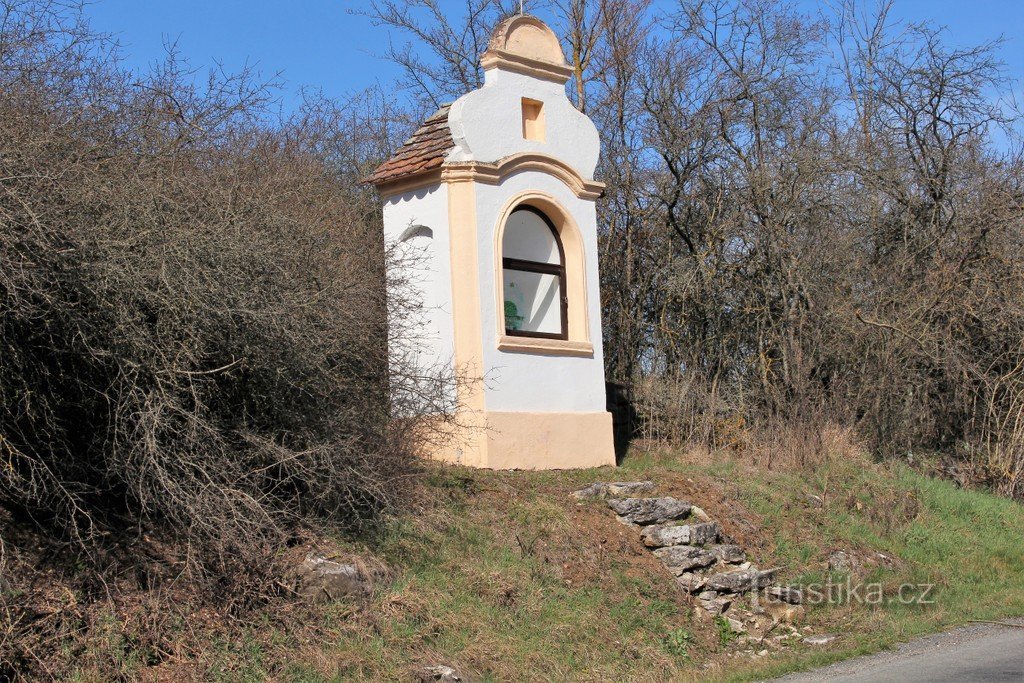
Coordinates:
<point>424,151</point>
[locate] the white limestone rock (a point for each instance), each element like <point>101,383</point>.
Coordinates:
<point>728,553</point>
<point>645,511</point>
<point>683,558</point>
<point>613,489</point>
<point>660,536</point>
<point>740,581</point>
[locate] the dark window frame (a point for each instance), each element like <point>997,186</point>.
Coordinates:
<point>542,268</point>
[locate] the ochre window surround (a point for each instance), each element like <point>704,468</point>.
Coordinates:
<point>575,334</point>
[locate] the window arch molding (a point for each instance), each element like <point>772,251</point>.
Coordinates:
<point>573,260</point>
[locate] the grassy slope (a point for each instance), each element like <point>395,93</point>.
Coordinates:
<point>505,577</point>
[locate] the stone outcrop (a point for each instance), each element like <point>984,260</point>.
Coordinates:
<point>728,553</point>
<point>712,602</point>
<point>645,511</point>
<point>793,596</point>
<point>661,535</point>
<point>740,580</point>
<point>705,562</point>
<point>709,566</point>
<point>691,582</point>
<point>613,489</point>
<point>321,580</point>
<point>438,672</point>
<point>683,558</point>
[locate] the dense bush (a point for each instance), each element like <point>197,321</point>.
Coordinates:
<point>192,335</point>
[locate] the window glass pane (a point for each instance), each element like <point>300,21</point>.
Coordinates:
<point>528,238</point>
<point>532,302</point>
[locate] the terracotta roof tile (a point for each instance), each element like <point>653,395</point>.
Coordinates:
<point>424,151</point>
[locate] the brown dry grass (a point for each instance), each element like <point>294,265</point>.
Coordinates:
<point>503,576</point>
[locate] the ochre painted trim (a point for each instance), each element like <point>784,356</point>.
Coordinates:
<point>528,441</point>
<point>494,174</point>
<point>575,267</point>
<point>553,166</point>
<point>527,45</point>
<point>545,347</point>
<point>527,36</point>
<point>474,171</point>
<point>548,441</point>
<point>509,61</point>
<point>468,328</point>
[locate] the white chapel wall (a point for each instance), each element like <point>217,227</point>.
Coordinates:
<point>428,270</point>
<point>527,382</point>
<point>487,123</point>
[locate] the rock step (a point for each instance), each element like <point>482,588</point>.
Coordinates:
<point>794,596</point>
<point>320,580</point>
<point>662,535</point>
<point>647,511</point>
<point>613,489</point>
<point>691,582</point>
<point>683,558</point>
<point>727,553</point>
<point>694,552</point>
<point>740,580</point>
<point>714,603</point>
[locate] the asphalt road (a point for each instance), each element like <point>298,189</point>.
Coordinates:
<point>979,652</point>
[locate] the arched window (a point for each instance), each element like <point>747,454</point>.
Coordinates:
<point>533,274</point>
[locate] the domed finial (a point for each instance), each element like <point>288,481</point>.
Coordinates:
<point>525,44</point>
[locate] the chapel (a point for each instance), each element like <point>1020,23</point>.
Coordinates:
<point>496,192</point>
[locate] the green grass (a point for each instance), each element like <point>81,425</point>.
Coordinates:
<point>968,544</point>
<point>725,633</point>
<point>505,577</point>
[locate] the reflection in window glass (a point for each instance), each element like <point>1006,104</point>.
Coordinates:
<point>533,278</point>
<point>528,237</point>
<point>532,302</point>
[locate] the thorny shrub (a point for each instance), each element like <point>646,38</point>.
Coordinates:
<point>193,320</point>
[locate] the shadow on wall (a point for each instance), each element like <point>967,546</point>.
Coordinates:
<point>624,417</point>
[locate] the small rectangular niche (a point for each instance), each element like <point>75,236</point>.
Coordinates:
<point>533,120</point>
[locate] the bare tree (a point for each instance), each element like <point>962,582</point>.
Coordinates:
<point>441,59</point>
<point>807,219</point>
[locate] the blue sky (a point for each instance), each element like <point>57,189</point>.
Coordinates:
<point>321,44</point>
